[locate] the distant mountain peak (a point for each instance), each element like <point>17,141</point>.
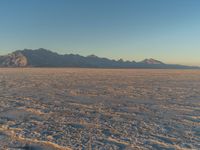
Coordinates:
<point>34,50</point>
<point>151,61</point>
<point>92,56</point>
<point>15,59</point>
<point>121,60</point>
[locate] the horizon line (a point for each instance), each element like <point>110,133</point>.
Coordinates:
<point>107,57</point>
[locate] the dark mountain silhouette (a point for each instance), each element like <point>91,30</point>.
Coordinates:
<point>46,58</point>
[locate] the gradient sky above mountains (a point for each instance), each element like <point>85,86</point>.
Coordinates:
<point>168,30</point>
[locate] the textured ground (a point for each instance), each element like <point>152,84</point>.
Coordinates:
<point>49,109</point>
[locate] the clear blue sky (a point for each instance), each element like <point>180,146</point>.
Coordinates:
<point>168,30</point>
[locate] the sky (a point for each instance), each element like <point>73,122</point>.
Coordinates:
<point>167,30</point>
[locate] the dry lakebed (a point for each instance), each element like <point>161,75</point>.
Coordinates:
<point>99,109</point>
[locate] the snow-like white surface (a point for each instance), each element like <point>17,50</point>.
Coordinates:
<point>99,109</point>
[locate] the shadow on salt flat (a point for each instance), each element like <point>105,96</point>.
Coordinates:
<point>159,147</point>
<point>119,145</point>
<point>77,126</point>
<point>2,136</point>
<point>32,147</point>
<point>192,119</point>
<point>17,114</point>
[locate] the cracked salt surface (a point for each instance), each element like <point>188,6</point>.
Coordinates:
<point>44,109</point>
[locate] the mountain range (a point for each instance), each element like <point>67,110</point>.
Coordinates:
<point>46,58</point>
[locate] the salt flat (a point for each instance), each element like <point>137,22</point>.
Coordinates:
<point>43,108</point>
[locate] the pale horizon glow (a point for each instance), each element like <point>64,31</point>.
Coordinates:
<point>168,31</point>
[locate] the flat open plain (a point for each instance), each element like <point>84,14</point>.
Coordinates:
<point>61,109</point>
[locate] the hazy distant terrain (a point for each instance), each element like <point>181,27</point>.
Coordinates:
<point>99,109</point>
<point>46,58</point>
